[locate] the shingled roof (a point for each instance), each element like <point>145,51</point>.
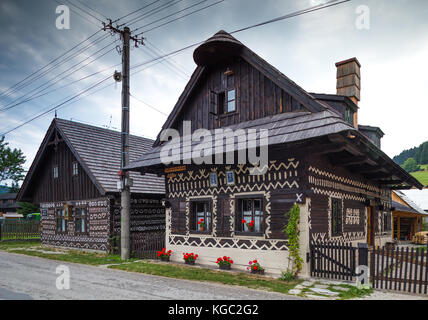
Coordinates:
<point>98,152</point>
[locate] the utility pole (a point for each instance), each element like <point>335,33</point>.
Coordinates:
<point>125,181</point>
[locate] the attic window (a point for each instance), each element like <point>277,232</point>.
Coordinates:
<point>55,172</point>
<point>223,102</point>
<point>75,168</point>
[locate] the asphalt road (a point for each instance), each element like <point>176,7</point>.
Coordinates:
<point>25,277</point>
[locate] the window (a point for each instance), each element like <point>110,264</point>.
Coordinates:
<point>223,102</point>
<point>250,215</point>
<point>231,107</point>
<point>349,116</point>
<point>75,168</point>
<point>55,172</point>
<point>213,179</point>
<point>336,217</point>
<point>201,216</point>
<point>385,221</point>
<point>80,225</point>
<point>61,224</point>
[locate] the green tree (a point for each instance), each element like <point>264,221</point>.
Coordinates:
<point>11,164</point>
<point>27,208</point>
<point>410,165</point>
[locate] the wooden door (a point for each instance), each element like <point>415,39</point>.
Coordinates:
<point>370,226</point>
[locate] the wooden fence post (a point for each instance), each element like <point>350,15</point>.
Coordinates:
<point>363,262</point>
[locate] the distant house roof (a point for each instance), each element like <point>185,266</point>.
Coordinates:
<point>98,152</point>
<point>8,196</point>
<point>419,197</point>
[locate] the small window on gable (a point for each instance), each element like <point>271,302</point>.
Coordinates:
<point>75,168</point>
<point>231,106</point>
<point>223,102</point>
<point>55,172</point>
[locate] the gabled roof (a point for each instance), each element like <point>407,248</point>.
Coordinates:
<point>223,39</point>
<point>411,205</point>
<point>419,197</point>
<point>98,152</point>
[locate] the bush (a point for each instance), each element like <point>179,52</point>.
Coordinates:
<point>287,276</point>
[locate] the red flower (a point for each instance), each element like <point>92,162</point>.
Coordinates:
<point>255,267</point>
<point>202,220</point>
<point>243,221</point>
<point>199,222</point>
<point>255,261</point>
<point>231,261</point>
<point>251,262</point>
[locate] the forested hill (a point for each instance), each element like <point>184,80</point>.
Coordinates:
<point>420,154</point>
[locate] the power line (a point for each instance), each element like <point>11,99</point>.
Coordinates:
<point>294,14</point>
<point>79,14</point>
<point>152,12</point>
<point>93,10</point>
<point>178,18</point>
<point>38,70</point>
<point>135,11</point>
<point>83,10</point>
<point>151,107</point>
<point>63,74</point>
<point>172,14</point>
<point>300,12</point>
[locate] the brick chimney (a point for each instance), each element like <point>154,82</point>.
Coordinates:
<point>348,81</point>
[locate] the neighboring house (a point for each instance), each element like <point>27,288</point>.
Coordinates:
<point>8,203</point>
<point>407,217</point>
<point>420,197</point>
<point>319,158</point>
<point>74,180</point>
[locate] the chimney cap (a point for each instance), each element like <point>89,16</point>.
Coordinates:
<point>354,59</point>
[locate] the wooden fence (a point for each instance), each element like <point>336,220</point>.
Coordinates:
<point>20,230</point>
<point>399,269</point>
<point>333,260</point>
<point>146,245</point>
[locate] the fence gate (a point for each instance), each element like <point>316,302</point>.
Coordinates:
<point>333,260</point>
<point>399,269</point>
<point>145,245</point>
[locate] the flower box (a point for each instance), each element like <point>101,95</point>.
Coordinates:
<point>191,262</point>
<point>165,258</point>
<point>258,271</point>
<point>225,266</point>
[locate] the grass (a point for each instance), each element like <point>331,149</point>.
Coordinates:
<point>75,256</point>
<point>353,292</point>
<point>6,245</point>
<point>202,274</point>
<point>421,176</point>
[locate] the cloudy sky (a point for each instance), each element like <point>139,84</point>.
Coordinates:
<point>392,52</point>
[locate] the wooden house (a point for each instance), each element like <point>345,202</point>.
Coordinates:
<point>407,217</point>
<point>8,203</point>
<point>319,158</point>
<point>74,180</point>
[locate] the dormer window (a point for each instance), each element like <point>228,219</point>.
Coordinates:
<point>349,116</point>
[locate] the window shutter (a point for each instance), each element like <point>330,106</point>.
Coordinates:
<point>213,102</point>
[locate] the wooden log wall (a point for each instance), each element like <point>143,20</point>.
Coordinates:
<point>327,182</point>
<point>256,97</point>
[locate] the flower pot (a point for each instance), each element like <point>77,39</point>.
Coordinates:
<point>202,229</point>
<point>164,258</point>
<point>191,262</point>
<point>257,271</point>
<point>224,266</point>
